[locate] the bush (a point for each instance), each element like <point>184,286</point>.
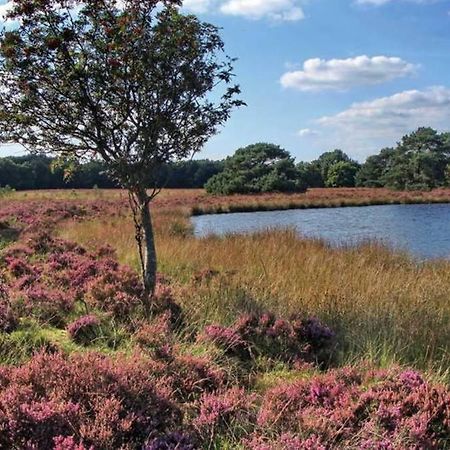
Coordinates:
<point>8,319</point>
<point>105,403</point>
<point>373,410</point>
<point>84,330</point>
<point>292,341</point>
<point>255,169</point>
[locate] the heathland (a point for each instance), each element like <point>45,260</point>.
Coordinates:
<point>263,341</point>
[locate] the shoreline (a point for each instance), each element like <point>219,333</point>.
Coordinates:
<point>261,207</point>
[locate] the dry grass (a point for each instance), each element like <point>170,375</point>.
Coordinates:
<point>385,306</point>
<point>198,202</point>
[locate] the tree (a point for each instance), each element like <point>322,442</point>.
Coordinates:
<point>257,168</point>
<point>372,172</point>
<point>328,159</point>
<point>342,174</point>
<point>310,172</point>
<point>127,82</point>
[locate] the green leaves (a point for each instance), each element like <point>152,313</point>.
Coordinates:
<point>257,168</point>
<point>132,85</point>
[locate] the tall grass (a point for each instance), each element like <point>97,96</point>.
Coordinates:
<point>385,306</point>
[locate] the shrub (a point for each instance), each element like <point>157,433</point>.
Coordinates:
<point>106,403</point>
<point>84,330</point>
<point>49,305</point>
<point>224,411</point>
<point>293,341</point>
<point>117,292</point>
<point>194,376</point>
<point>8,319</point>
<point>172,441</point>
<point>373,410</point>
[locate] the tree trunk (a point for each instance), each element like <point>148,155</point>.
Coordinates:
<point>149,263</point>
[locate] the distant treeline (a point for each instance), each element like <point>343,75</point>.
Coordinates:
<point>39,172</point>
<point>421,160</point>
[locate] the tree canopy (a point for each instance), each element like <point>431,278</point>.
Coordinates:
<point>421,161</point>
<point>257,168</point>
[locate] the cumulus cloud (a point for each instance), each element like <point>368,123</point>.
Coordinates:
<point>367,126</point>
<point>277,10</point>
<point>198,6</point>
<point>384,2</point>
<point>288,10</point>
<point>342,74</point>
<point>307,132</point>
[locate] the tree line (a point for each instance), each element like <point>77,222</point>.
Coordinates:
<point>42,172</point>
<point>420,161</point>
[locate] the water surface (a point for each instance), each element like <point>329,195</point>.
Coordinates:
<point>423,230</point>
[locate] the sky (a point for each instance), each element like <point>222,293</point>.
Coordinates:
<point>323,74</point>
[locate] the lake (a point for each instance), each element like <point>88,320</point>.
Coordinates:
<point>423,230</point>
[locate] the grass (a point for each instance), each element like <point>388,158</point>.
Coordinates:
<point>386,307</point>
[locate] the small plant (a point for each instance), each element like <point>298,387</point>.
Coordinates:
<point>8,319</point>
<point>84,330</point>
<point>172,441</point>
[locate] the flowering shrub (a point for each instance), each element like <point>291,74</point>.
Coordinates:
<point>221,411</point>
<point>117,292</point>
<point>172,441</point>
<point>228,339</point>
<point>285,441</point>
<point>84,330</point>
<point>8,319</point>
<point>291,341</point>
<point>105,403</point>
<point>193,376</point>
<point>67,443</point>
<point>48,304</point>
<point>395,407</point>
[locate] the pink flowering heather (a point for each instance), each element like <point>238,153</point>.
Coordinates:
<point>68,443</point>
<point>49,305</point>
<point>284,442</point>
<point>172,441</point>
<point>220,411</point>
<point>105,403</point>
<point>8,319</point>
<point>227,339</point>
<point>84,330</point>
<point>118,293</point>
<point>395,407</point>
<point>193,376</point>
<point>290,341</point>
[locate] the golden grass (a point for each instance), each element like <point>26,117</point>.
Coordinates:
<point>385,306</point>
<point>198,202</point>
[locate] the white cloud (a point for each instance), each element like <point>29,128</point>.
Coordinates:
<point>198,6</point>
<point>287,10</point>
<point>307,132</point>
<point>341,74</point>
<point>384,2</point>
<point>277,10</point>
<point>367,126</point>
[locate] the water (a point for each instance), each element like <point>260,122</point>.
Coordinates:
<point>423,230</point>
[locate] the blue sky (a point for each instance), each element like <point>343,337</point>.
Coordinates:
<point>324,74</point>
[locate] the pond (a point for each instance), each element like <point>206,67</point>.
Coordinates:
<point>423,230</point>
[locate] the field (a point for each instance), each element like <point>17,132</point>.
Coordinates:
<point>261,342</point>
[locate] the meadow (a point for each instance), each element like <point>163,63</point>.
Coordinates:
<point>264,342</point>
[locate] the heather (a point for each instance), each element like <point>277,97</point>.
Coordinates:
<point>231,355</point>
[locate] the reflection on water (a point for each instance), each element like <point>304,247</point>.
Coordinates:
<point>423,230</point>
